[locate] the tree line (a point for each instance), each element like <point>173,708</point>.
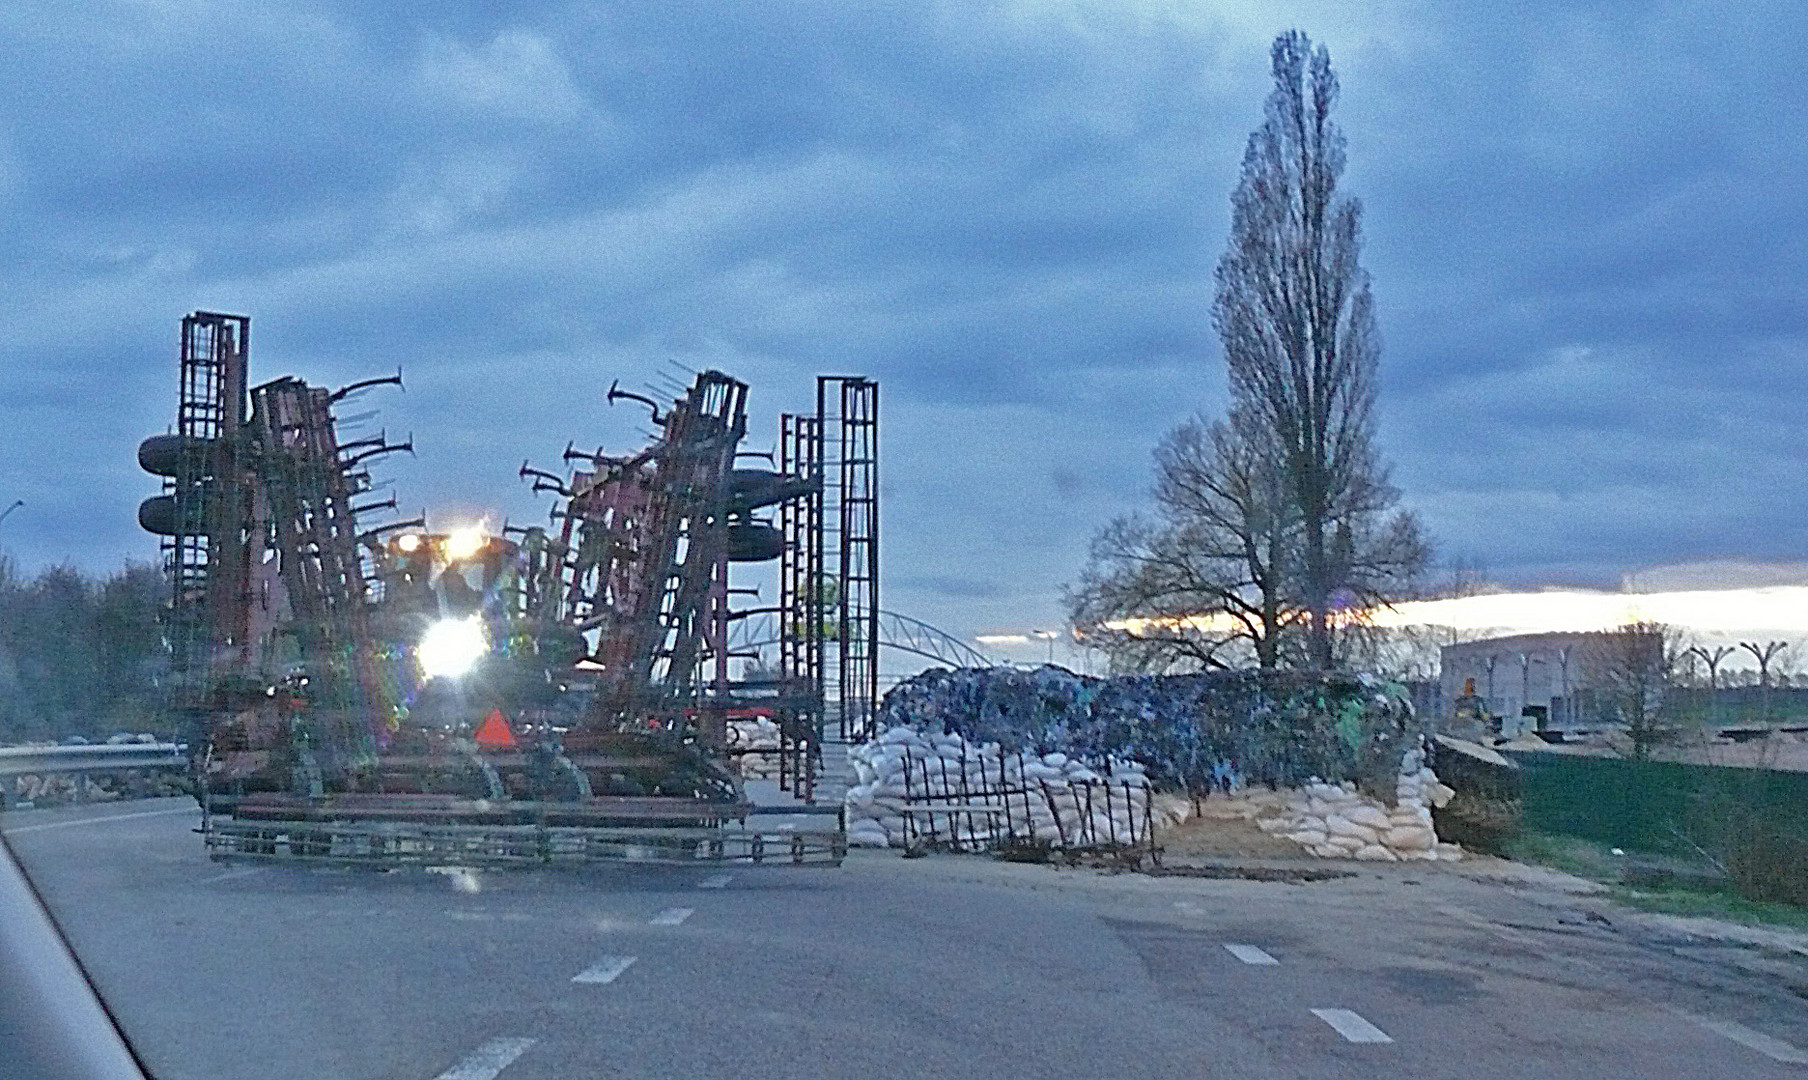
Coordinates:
<point>81,656</point>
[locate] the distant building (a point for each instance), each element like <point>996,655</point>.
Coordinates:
<point>1543,671</point>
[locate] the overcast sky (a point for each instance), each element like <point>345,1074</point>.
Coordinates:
<point>1585,224</point>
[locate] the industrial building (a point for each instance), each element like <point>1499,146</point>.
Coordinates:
<point>1542,673</point>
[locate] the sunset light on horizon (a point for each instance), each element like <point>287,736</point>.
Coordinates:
<point>1772,609</point>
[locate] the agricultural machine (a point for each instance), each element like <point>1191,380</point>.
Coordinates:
<point>390,693</point>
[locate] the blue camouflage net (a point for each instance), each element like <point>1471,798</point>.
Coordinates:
<point>1198,733</point>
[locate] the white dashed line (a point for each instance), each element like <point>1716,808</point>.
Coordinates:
<point>1351,1026</point>
<point>487,1060</point>
<point>606,970</point>
<point>1773,1048</point>
<point>672,916</point>
<point>1249,954</point>
<point>99,820</point>
<point>717,881</point>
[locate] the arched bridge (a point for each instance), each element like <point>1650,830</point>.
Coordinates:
<point>900,633</point>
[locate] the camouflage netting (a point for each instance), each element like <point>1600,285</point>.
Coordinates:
<point>1197,733</point>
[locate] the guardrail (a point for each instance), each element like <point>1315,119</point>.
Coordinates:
<point>99,757</point>
<point>25,770</point>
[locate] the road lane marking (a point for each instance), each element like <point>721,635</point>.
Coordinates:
<point>487,1060</point>
<point>717,881</point>
<point>1249,954</point>
<point>672,916</point>
<point>1771,1047</point>
<point>16,830</point>
<point>606,970</point>
<point>1351,1026</point>
<point>243,871</point>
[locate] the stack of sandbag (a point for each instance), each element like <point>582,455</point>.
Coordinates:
<point>985,793</point>
<point>1339,821</point>
<point>759,734</point>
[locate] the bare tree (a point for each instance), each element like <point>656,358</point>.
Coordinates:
<point>1206,583</point>
<point>1296,318</point>
<point>1632,668</point>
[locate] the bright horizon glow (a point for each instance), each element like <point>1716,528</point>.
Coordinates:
<point>1775,608</point>
<point>1712,611</point>
<point>452,647</point>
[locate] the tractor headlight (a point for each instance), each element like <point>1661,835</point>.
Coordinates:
<point>452,647</point>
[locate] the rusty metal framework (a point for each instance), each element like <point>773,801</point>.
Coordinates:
<point>204,546</point>
<point>800,617</point>
<point>298,631</point>
<point>847,416</point>
<point>305,511</point>
<point>261,544</point>
<point>648,538</point>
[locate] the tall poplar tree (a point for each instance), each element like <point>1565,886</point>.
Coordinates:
<point>1296,318</point>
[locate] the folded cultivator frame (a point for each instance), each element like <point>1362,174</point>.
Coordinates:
<point>389,694</point>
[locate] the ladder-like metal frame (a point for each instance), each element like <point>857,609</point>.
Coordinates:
<point>800,616</point>
<point>847,410</point>
<point>207,557</point>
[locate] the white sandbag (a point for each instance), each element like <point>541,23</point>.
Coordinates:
<point>1410,839</point>
<point>1338,825</point>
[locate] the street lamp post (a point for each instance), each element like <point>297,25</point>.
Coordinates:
<point>1569,710</point>
<point>8,512</point>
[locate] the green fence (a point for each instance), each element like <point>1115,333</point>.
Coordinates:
<point>1642,805</point>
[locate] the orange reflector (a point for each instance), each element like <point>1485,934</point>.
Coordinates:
<point>494,733</point>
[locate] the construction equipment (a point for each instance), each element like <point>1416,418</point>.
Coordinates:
<point>391,694</point>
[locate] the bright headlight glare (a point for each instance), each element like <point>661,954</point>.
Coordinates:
<point>408,543</point>
<point>452,647</point>
<point>464,543</point>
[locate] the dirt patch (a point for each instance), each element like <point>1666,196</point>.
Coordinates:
<point>1293,875</point>
<point>1218,839</point>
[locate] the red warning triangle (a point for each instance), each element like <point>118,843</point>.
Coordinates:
<point>494,732</point>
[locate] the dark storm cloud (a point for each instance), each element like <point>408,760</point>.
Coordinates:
<point>1585,228</point>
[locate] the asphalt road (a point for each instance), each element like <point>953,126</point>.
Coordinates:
<point>938,967</point>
